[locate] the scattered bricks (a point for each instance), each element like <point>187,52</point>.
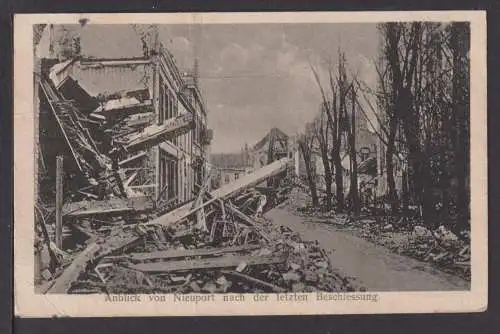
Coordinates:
<point>284,263</point>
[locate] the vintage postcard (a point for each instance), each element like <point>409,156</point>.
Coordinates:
<point>250,163</point>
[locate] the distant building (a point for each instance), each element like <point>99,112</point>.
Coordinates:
<point>227,167</point>
<point>273,146</point>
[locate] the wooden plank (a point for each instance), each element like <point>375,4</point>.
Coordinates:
<point>111,206</point>
<point>210,263</point>
<point>154,134</point>
<point>247,181</point>
<point>71,273</point>
<point>52,98</point>
<point>253,280</point>
<point>135,157</point>
<point>173,254</point>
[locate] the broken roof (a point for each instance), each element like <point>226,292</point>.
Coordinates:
<point>104,76</point>
<point>274,131</point>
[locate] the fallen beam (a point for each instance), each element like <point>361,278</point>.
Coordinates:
<point>247,181</point>
<point>71,273</point>
<point>175,254</point>
<point>154,134</point>
<point>210,263</point>
<point>133,158</point>
<point>111,206</point>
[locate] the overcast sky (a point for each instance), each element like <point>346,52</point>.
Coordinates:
<point>253,76</point>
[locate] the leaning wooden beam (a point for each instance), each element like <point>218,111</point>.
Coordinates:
<point>210,263</point>
<point>154,134</point>
<point>135,157</point>
<point>52,98</point>
<point>59,199</point>
<point>253,280</point>
<point>71,273</point>
<point>247,181</point>
<point>176,254</point>
<point>93,252</point>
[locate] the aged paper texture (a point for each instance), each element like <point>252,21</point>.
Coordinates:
<point>250,163</point>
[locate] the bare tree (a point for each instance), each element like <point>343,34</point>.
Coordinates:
<point>323,132</point>
<point>425,99</point>
<point>306,142</point>
<point>335,109</point>
<point>460,45</point>
<point>353,189</point>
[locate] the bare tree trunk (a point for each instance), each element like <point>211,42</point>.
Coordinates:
<point>306,154</point>
<point>328,178</point>
<point>405,195</point>
<point>339,179</point>
<point>322,132</point>
<point>460,96</point>
<point>391,52</point>
<point>354,162</point>
<point>389,155</point>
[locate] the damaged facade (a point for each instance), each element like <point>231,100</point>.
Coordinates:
<point>133,128</point>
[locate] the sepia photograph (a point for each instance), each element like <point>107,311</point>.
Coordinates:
<point>206,162</point>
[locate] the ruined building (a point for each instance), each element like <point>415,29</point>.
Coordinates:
<point>128,128</point>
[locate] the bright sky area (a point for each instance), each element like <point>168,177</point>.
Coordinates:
<point>253,76</point>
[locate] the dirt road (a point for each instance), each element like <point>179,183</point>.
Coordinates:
<point>375,267</point>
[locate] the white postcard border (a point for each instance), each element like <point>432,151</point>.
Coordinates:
<point>29,304</point>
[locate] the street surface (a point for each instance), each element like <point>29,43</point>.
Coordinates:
<point>375,267</point>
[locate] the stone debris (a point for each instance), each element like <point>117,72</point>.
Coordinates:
<point>407,236</point>
<point>235,251</point>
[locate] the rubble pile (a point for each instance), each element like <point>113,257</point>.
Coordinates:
<point>408,237</point>
<point>215,244</point>
<point>402,235</point>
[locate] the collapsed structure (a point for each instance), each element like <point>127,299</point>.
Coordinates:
<point>132,128</point>
<point>217,243</point>
<point>124,203</point>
